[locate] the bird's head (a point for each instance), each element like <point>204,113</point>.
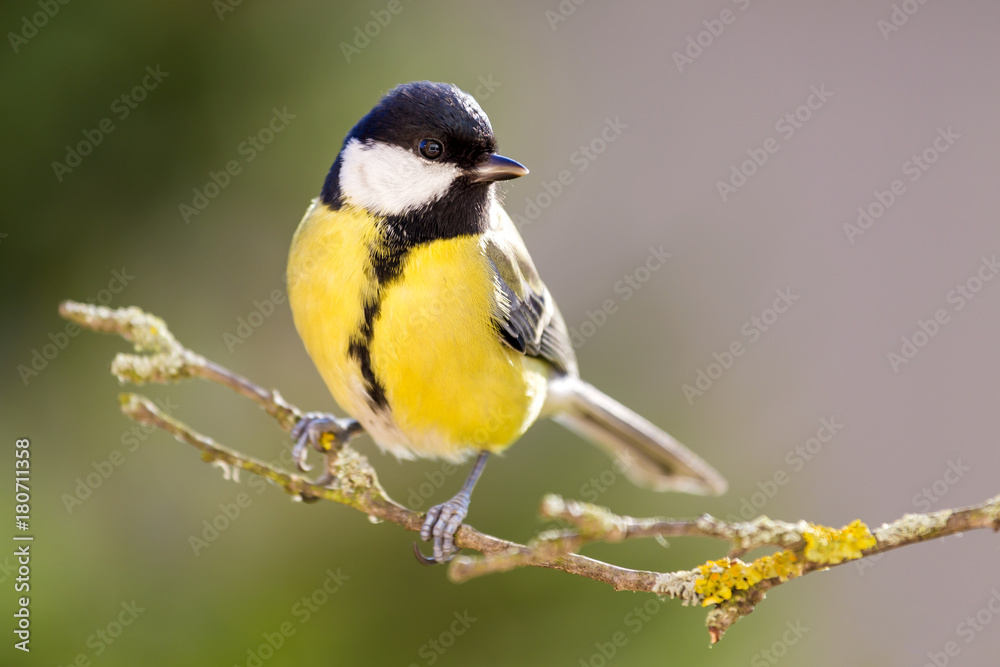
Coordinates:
<point>421,143</point>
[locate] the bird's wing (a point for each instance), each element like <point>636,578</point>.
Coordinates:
<point>526,316</point>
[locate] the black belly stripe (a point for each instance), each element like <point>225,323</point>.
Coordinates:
<point>387,266</point>
<point>462,211</point>
<point>374,388</point>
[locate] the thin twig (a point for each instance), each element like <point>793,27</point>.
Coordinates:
<point>734,587</point>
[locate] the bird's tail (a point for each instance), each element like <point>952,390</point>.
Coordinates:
<point>649,456</point>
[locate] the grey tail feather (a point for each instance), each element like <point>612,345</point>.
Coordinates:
<point>651,457</point>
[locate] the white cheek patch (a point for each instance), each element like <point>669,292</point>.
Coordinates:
<point>390,180</point>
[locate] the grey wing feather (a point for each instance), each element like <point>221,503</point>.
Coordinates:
<point>526,315</point>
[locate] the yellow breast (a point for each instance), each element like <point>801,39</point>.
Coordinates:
<point>328,281</point>
<point>450,383</point>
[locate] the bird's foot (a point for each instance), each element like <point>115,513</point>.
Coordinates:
<point>324,432</point>
<point>440,526</point>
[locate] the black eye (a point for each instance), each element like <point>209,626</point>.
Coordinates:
<point>431,148</point>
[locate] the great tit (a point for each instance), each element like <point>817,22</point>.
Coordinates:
<point>420,306</point>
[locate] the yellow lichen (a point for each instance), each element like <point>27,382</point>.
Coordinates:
<point>327,440</point>
<point>782,565</point>
<point>719,578</point>
<point>830,546</point>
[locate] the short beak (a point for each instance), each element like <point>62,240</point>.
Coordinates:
<point>497,168</point>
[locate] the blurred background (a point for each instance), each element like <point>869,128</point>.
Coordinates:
<point>823,176</point>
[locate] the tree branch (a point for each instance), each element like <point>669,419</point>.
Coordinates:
<point>731,585</point>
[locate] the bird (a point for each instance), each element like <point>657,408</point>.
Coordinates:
<point>422,310</point>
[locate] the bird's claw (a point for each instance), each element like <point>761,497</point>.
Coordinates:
<point>323,431</point>
<point>440,525</point>
<point>421,558</point>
